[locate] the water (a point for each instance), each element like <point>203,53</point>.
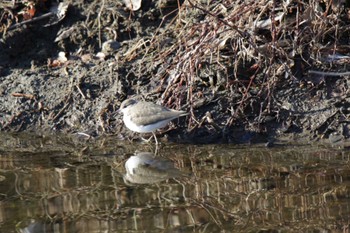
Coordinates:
<point>58,184</point>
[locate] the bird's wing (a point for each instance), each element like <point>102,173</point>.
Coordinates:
<point>152,113</point>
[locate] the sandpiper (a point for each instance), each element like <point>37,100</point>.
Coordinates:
<point>147,117</point>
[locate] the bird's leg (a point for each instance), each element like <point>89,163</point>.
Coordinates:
<point>148,140</point>
<point>155,138</point>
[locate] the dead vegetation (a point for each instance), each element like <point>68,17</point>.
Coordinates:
<point>265,67</point>
<point>238,55</point>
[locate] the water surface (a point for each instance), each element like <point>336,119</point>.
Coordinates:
<point>58,184</point>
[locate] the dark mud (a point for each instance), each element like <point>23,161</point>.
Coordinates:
<point>163,54</point>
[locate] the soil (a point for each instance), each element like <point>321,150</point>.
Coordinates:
<point>240,85</point>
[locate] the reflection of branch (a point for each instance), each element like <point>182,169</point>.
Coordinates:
<point>217,221</point>
<point>207,205</point>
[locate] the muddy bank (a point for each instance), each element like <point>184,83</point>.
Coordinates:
<point>246,72</point>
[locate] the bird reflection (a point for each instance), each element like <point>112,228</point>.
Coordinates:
<point>36,227</point>
<point>145,168</point>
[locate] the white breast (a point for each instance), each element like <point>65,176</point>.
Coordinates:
<point>144,128</point>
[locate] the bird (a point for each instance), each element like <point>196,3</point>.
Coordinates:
<point>147,117</point>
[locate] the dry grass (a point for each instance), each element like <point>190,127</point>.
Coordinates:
<point>221,60</point>
<point>239,52</point>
